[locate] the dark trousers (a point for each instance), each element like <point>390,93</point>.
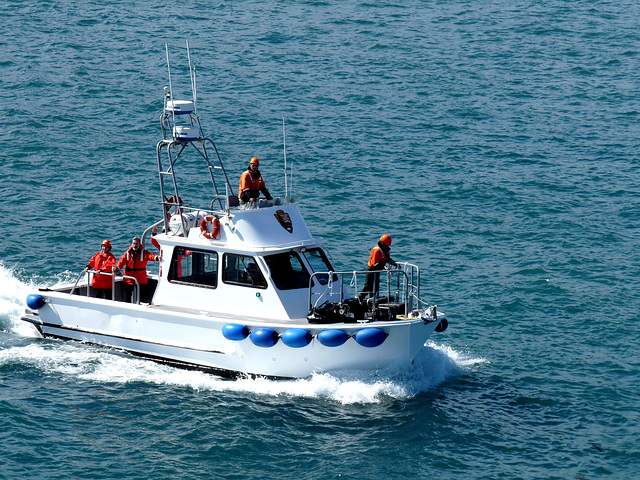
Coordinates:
<point>103,293</point>
<point>371,283</point>
<point>127,292</point>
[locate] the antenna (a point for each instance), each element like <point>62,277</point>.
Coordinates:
<point>284,146</point>
<point>173,110</point>
<point>192,76</point>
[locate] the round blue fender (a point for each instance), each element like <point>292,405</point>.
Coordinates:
<point>442,326</point>
<point>264,337</point>
<point>370,337</point>
<point>332,337</point>
<point>296,337</point>
<point>35,301</point>
<point>235,331</point>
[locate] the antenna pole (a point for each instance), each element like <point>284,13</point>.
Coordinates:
<point>192,75</point>
<point>284,146</point>
<point>173,110</point>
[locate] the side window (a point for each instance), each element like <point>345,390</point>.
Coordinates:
<point>287,271</point>
<point>194,267</point>
<point>319,263</point>
<point>242,270</point>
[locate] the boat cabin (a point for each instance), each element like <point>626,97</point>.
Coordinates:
<point>254,261</point>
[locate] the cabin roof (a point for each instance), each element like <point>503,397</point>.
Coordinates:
<point>259,229</point>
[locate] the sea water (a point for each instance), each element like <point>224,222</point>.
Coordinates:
<point>496,142</point>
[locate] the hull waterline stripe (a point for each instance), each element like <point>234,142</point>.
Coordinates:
<point>220,372</point>
<point>40,324</point>
<point>162,360</point>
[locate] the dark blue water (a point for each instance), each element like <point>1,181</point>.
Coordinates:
<point>496,142</point>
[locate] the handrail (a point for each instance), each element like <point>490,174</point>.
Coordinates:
<point>404,291</point>
<point>90,275</point>
<point>76,284</point>
<point>149,229</point>
<point>136,290</point>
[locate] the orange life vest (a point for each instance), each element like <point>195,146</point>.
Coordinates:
<point>136,265</point>
<point>102,262</point>
<point>378,256</point>
<point>250,182</point>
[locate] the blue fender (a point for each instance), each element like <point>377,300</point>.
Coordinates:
<point>296,337</point>
<point>332,337</point>
<point>35,301</point>
<point>235,331</point>
<point>442,326</point>
<point>370,337</point>
<point>264,337</point>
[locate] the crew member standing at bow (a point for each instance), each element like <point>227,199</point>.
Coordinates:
<point>251,183</point>
<point>103,261</point>
<point>378,258</point>
<point>134,262</point>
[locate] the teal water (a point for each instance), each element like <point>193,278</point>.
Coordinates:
<point>496,142</point>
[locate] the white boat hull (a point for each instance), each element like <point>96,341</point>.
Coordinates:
<point>193,339</point>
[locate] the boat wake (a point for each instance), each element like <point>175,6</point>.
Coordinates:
<point>435,364</point>
<point>13,294</point>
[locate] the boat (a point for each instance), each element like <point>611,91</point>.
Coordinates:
<point>241,289</point>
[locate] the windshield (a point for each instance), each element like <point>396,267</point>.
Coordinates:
<point>287,271</point>
<point>319,263</point>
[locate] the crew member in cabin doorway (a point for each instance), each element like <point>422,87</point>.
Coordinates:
<point>251,184</point>
<point>103,261</point>
<point>134,262</point>
<point>378,259</point>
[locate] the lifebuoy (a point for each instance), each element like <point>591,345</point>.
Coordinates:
<point>172,199</point>
<point>204,227</point>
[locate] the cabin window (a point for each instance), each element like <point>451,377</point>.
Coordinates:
<point>287,271</point>
<point>319,263</point>
<point>194,267</point>
<point>242,270</point>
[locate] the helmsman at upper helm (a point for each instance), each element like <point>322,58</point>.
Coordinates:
<point>252,183</point>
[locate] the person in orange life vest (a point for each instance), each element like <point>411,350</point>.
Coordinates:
<point>103,261</point>
<point>154,242</point>
<point>182,253</point>
<point>378,258</point>
<point>251,183</point>
<point>134,262</point>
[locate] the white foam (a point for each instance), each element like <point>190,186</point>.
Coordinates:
<point>432,367</point>
<point>13,296</point>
